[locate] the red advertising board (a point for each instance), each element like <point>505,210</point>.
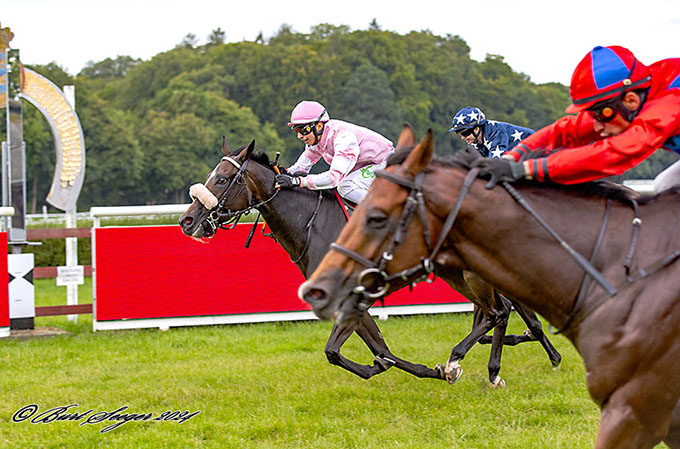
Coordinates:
<point>4,280</point>
<point>158,272</point>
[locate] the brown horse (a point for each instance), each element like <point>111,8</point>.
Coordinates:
<point>288,212</point>
<point>629,343</point>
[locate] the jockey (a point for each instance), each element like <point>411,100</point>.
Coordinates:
<point>489,137</point>
<point>353,153</point>
<point>624,112</point>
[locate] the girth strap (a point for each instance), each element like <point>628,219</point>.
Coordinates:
<point>585,283</point>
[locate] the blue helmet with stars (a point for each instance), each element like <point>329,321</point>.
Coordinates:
<point>467,118</point>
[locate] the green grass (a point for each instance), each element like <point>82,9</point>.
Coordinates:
<point>270,386</point>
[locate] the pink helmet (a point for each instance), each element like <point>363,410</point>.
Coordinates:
<point>308,112</point>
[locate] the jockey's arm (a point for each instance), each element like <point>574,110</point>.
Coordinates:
<point>345,156</point>
<point>567,132</point>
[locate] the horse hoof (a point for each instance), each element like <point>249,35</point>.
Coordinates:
<point>556,363</point>
<point>453,371</point>
<point>498,382</point>
<point>528,333</point>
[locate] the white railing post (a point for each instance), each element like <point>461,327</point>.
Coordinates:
<point>71,222</point>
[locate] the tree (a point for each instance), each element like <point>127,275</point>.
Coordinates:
<point>109,68</point>
<point>182,131</point>
<point>368,100</point>
<point>188,41</point>
<point>373,26</point>
<point>114,159</point>
<point>216,37</point>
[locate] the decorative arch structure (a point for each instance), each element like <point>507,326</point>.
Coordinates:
<point>69,172</point>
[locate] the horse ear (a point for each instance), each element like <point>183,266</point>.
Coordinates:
<point>420,156</point>
<point>225,147</point>
<point>247,152</point>
<point>250,149</point>
<point>407,138</point>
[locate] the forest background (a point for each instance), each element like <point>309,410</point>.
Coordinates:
<point>153,127</point>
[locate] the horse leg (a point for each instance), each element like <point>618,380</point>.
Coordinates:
<point>496,351</point>
<point>339,335</point>
<point>508,340</point>
<point>453,369</point>
<point>369,332</point>
<point>536,329</point>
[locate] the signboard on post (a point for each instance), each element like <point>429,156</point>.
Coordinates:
<point>70,276</point>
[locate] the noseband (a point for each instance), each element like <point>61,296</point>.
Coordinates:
<point>414,202</point>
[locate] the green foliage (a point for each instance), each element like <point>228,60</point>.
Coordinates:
<point>368,98</point>
<point>52,252</point>
<point>109,68</point>
<point>154,127</point>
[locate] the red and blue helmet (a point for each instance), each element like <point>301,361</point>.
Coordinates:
<point>604,73</point>
<point>467,118</point>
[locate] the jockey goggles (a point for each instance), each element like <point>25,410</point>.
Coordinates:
<point>307,127</point>
<point>605,111</point>
<point>466,132</point>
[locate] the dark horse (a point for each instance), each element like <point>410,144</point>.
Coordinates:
<point>288,212</point>
<point>629,342</point>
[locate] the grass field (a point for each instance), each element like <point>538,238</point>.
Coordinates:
<point>270,386</point>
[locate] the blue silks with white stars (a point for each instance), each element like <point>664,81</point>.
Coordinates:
<point>499,137</point>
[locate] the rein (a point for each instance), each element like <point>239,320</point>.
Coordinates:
<point>580,260</point>
<point>308,228</point>
<point>579,309</point>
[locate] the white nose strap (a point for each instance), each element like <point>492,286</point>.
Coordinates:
<point>202,194</point>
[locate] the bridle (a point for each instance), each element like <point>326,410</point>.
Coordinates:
<point>415,202</point>
<point>220,219</point>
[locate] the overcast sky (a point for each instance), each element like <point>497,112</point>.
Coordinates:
<point>543,39</point>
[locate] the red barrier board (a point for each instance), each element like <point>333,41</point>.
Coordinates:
<point>158,272</point>
<point>4,281</point>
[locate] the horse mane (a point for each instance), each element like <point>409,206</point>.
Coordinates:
<point>258,156</point>
<point>399,156</point>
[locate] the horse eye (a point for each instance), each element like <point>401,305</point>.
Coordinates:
<point>376,220</point>
<point>221,180</point>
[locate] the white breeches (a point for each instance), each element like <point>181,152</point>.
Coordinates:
<point>668,178</point>
<point>355,185</point>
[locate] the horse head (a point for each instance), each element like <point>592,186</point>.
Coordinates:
<point>223,197</point>
<point>378,240</point>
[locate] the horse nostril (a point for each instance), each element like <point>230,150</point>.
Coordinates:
<point>187,221</point>
<point>314,295</point>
